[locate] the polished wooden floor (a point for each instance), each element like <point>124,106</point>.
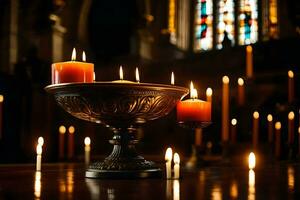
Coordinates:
<point>67,181</point>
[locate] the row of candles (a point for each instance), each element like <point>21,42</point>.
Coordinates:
<point>39,151</point>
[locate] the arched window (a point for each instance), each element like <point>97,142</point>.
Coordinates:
<point>225,23</point>
<point>203,38</point>
<point>248,26</point>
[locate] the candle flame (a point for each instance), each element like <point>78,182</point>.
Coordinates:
<point>252,160</point>
<point>176,158</point>
<point>83,57</point>
<point>71,129</point>
<point>39,149</point>
<point>291,115</point>
<point>172,78</point>
<point>137,75</point>
<point>209,91</point>
<point>277,125</point>
<point>87,141</point>
<point>1,98</point>
<point>291,74</point>
<point>94,76</point>
<point>41,141</point>
<point>225,79</point>
<point>270,117</point>
<point>249,48</point>
<point>193,91</point>
<point>168,155</point>
<point>73,58</point>
<point>256,115</point>
<point>241,82</point>
<point>121,73</point>
<point>233,122</point>
<point>62,129</point>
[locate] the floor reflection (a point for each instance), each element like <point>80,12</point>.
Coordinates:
<point>251,185</point>
<point>234,192</point>
<point>216,192</point>
<point>291,178</point>
<point>37,185</point>
<point>176,190</point>
<point>66,183</point>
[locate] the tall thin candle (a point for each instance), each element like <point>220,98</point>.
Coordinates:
<point>291,86</point>
<point>241,92</point>
<point>168,158</point>
<point>225,109</point>
<point>1,114</point>
<point>71,142</point>
<point>255,130</point>
<point>270,128</point>
<point>291,127</point>
<point>61,142</point>
<point>249,62</point>
<point>277,139</point>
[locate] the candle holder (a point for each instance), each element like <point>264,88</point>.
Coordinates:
<point>121,107</point>
<point>195,160</point>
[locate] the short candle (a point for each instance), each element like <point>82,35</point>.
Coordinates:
<point>168,158</point>
<point>39,151</point>
<point>176,166</point>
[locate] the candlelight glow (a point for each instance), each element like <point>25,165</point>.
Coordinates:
<point>291,178</point>
<point>216,192</point>
<point>172,78</point>
<point>277,125</point>
<point>121,73</point>
<point>209,91</point>
<point>249,48</point>
<point>299,129</point>
<point>291,74</point>
<point>233,122</point>
<point>62,129</point>
<point>193,92</point>
<point>176,158</point>
<point>37,185</point>
<point>176,190</point>
<point>168,155</point>
<point>251,185</point>
<point>270,117</point>
<point>1,98</point>
<point>251,160</point>
<point>137,75</point>
<point>73,58</point>
<point>291,115</point>
<point>225,79</point>
<point>241,81</point>
<point>256,115</point>
<point>71,129</point>
<point>87,141</point>
<point>83,56</point>
<point>41,141</point>
<point>234,193</point>
<point>39,149</point>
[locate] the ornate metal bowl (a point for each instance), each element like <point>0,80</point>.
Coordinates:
<point>121,106</point>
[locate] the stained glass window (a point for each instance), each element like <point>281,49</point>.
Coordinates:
<point>172,21</point>
<point>225,23</point>
<point>248,27</point>
<point>203,25</point>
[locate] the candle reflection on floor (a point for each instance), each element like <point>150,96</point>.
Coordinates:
<point>234,192</point>
<point>169,188</point>
<point>176,190</point>
<point>94,188</point>
<point>110,194</point>
<point>37,185</point>
<point>216,193</point>
<point>291,178</point>
<point>251,185</point>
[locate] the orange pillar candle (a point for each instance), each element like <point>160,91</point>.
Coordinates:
<point>291,86</point>
<point>1,114</point>
<point>71,142</point>
<point>193,109</point>
<point>270,128</point>
<point>277,139</point>
<point>225,109</point>
<point>61,142</point>
<point>255,130</point>
<point>241,92</point>
<point>291,127</point>
<point>249,62</point>
<point>233,130</point>
<point>73,71</point>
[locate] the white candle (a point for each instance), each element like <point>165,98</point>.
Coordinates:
<point>41,141</point>
<point>87,150</point>
<point>176,166</point>
<point>168,158</point>
<point>209,93</point>
<point>251,160</point>
<point>39,157</point>
<point>172,78</point>
<point>121,73</point>
<point>137,75</point>
<point>233,130</point>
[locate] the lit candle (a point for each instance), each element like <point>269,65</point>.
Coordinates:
<point>71,142</point>
<point>233,130</point>
<point>172,79</point>
<point>94,76</point>
<point>176,166</point>
<point>38,157</point>
<point>291,86</point>
<point>193,109</point>
<point>61,142</point>
<point>251,160</point>
<point>241,92</point>
<point>277,139</point>
<point>41,141</point>
<point>1,114</point>
<point>121,74</point>
<point>225,109</point>
<point>168,158</point>
<point>87,150</point>
<point>270,128</point>
<point>137,75</point>
<point>255,130</point>
<point>73,71</point>
<point>291,127</point>
<point>209,93</point>
<point>249,62</point>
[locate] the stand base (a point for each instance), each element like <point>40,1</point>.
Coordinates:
<point>122,174</point>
